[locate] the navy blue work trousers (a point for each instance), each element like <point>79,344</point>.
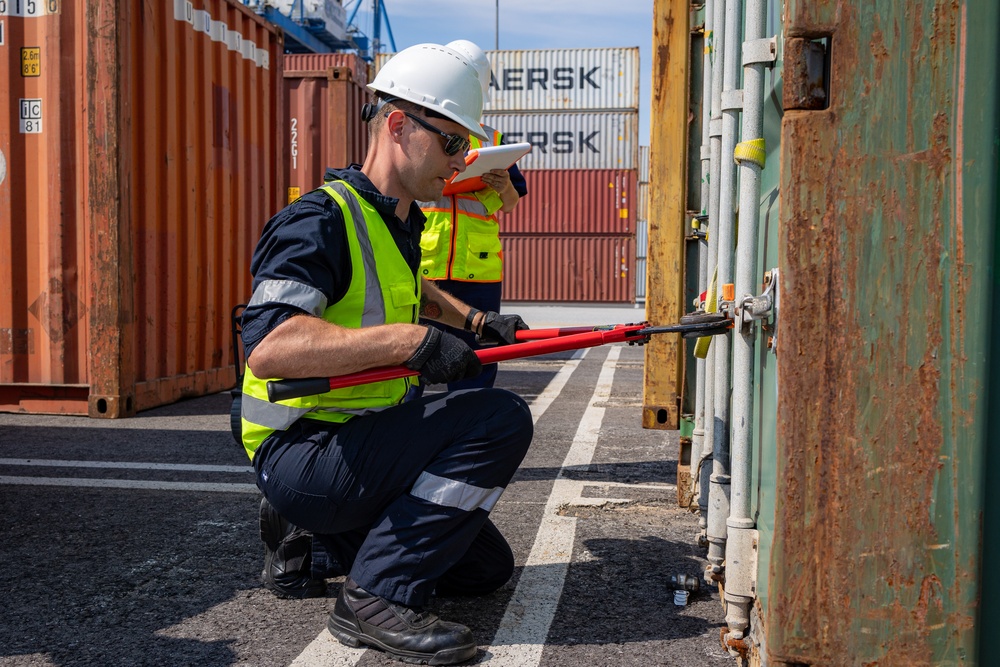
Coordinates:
<point>406,491</point>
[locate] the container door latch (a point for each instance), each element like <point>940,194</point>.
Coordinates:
<point>763,307</point>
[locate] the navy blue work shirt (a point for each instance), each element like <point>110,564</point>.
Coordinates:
<point>306,242</point>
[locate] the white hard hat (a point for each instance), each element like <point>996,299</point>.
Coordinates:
<point>476,57</point>
<point>437,78</point>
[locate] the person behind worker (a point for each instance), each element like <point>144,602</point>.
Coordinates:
<point>398,492</point>
<point>460,246</point>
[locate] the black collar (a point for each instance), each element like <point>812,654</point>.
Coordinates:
<point>384,204</point>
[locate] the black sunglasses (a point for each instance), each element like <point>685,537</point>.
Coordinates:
<point>453,142</point>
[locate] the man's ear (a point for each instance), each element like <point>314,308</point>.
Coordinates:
<point>395,122</point>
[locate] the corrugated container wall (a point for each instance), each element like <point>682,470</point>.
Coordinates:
<point>575,201</point>
<point>592,79</point>
<point>570,268</point>
<point>642,225</point>
<point>572,140</point>
<point>311,62</point>
<point>324,116</point>
<point>564,79</point>
<point>160,122</point>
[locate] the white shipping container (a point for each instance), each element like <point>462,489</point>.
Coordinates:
<point>642,207</point>
<point>641,238</point>
<point>572,140</point>
<point>599,79</point>
<point>640,280</point>
<point>564,79</point>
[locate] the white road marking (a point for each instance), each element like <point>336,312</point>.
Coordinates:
<point>555,386</point>
<point>521,636</point>
<point>130,484</point>
<point>327,651</point>
<point>212,487</point>
<point>125,465</point>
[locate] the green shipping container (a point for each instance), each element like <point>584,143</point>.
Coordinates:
<point>873,485</point>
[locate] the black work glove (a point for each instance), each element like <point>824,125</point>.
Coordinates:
<point>499,328</point>
<point>441,358</point>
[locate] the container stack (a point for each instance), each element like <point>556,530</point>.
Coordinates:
<point>642,226</point>
<point>573,237</point>
<point>324,93</point>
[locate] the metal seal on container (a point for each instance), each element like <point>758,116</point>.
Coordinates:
<point>3,167</point>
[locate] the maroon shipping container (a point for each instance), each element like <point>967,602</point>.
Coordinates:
<point>324,118</point>
<point>312,62</point>
<point>575,201</point>
<point>143,158</point>
<point>569,268</point>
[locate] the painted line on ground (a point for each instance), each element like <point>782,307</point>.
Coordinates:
<point>125,465</point>
<point>329,652</point>
<point>129,484</point>
<point>555,385</point>
<point>520,639</point>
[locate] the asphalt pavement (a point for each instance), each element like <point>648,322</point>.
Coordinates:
<point>134,541</point>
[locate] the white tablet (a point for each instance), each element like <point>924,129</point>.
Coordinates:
<point>482,160</point>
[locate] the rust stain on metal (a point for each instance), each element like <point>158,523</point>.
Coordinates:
<point>866,467</point>
<point>740,646</point>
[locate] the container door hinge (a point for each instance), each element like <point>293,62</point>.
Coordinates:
<point>760,51</point>
<point>763,307</point>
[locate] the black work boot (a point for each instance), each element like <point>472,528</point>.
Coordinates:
<point>287,557</point>
<point>407,634</point>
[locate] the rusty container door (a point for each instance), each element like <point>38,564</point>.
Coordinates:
<point>135,200</point>
<point>201,170</point>
<point>44,286</point>
<point>569,268</point>
<point>324,118</point>
<point>887,250</point>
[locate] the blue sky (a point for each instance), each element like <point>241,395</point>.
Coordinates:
<point>526,24</point>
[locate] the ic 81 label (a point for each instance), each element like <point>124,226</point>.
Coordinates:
<point>31,116</point>
<point>29,8</point>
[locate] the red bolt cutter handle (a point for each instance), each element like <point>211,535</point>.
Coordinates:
<point>538,341</point>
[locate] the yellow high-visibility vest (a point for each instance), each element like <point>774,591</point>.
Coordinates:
<point>461,238</point>
<point>382,292</point>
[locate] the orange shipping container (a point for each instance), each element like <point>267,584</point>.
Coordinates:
<point>324,116</point>
<point>143,156</point>
<point>569,268</point>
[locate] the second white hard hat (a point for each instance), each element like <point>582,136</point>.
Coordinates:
<point>477,58</point>
<point>437,78</point>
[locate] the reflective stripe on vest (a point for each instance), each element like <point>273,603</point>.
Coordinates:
<point>470,250</point>
<point>379,293</point>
